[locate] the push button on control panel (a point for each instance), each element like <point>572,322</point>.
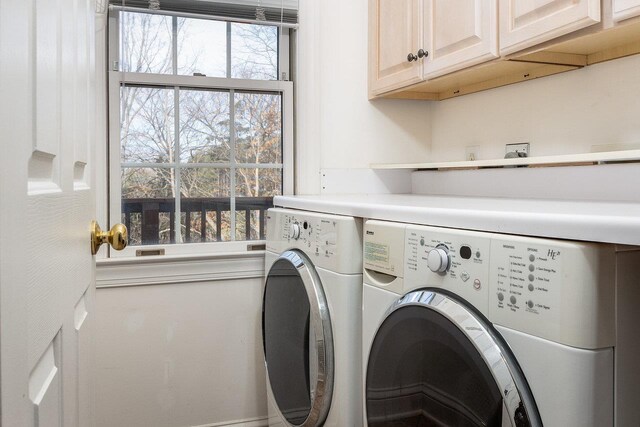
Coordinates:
<point>464,276</point>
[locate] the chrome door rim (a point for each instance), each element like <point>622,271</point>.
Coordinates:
<point>484,342</point>
<point>321,341</point>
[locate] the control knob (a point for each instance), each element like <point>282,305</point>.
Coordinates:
<point>438,259</point>
<point>294,231</point>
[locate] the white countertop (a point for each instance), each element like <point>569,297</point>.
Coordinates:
<point>576,220</point>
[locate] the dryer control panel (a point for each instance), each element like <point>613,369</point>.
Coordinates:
<point>331,241</point>
<point>554,289</point>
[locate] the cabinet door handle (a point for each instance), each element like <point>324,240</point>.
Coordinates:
<point>421,54</point>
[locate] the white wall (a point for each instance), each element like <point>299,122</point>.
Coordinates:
<point>338,127</point>
<point>181,354</point>
<point>562,114</point>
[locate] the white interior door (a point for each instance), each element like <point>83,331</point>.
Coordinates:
<point>47,273</point>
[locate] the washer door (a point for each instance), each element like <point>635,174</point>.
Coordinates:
<point>436,361</point>
<point>298,341</point>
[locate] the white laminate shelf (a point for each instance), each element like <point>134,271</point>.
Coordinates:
<point>540,161</point>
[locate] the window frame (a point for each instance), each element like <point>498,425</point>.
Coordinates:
<point>117,78</point>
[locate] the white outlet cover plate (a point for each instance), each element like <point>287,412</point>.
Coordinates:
<point>522,147</point>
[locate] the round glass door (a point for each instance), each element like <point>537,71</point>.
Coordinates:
<point>297,340</point>
<point>433,362</point>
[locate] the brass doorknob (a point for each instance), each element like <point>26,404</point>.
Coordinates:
<point>117,237</point>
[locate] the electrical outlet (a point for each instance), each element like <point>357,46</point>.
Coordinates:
<point>521,148</point>
<point>471,153</point>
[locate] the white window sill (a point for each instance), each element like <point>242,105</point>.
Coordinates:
<point>174,269</point>
<point>187,249</point>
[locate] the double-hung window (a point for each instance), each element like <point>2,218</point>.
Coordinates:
<point>201,128</point>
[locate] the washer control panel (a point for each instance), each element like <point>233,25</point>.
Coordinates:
<point>527,278</point>
<point>330,241</point>
<point>454,260</point>
<point>559,290</point>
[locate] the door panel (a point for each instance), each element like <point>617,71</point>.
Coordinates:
<point>435,360</point>
<point>394,32</point>
<point>525,23</point>
<point>83,328</point>
<point>459,34</point>
<point>298,340</point>
<point>421,360</point>
<point>47,273</point>
<point>286,316</point>
<point>45,388</point>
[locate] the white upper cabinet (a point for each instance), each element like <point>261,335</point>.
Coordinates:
<point>525,23</point>
<point>395,31</point>
<point>459,34</point>
<point>624,9</point>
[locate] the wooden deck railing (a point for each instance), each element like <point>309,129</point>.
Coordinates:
<point>151,210</point>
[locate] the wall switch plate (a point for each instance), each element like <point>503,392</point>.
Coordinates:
<point>520,148</point>
<point>471,153</point>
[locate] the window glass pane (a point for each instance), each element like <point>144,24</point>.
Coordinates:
<point>202,47</point>
<point>145,43</point>
<point>225,226</point>
<point>255,189</point>
<point>147,124</point>
<point>204,183</point>
<point>133,222</point>
<point>255,211</point>
<point>205,190</point>
<point>148,183</point>
<point>258,123</point>
<point>204,126</point>
<point>148,204</point>
<point>217,222</point>
<point>241,225</point>
<point>258,182</point>
<point>254,51</point>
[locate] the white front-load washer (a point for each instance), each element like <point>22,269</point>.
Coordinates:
<point>312,319</point>
<point>464,328</point>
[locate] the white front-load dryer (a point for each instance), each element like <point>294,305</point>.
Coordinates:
<point>464,328</point>
<point>312,319</point>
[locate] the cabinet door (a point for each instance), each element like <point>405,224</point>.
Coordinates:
<point>394,32</point>
<point>459,34</point>
<point>624,9</point>
<point>525,23</point>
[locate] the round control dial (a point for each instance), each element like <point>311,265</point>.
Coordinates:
<point>438,259</point>
<point>294,231</point>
